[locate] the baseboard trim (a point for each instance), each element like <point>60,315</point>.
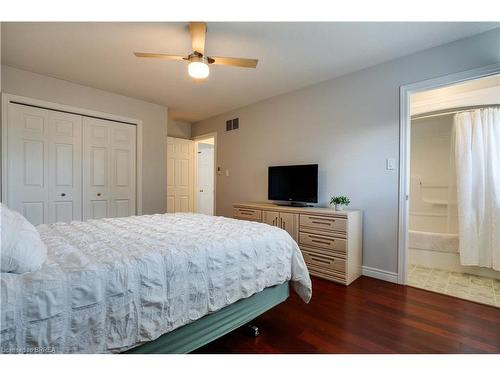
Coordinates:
<point>379,274</point>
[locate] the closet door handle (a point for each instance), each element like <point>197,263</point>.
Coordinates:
<point>63,194</point>
<point>98,194</point>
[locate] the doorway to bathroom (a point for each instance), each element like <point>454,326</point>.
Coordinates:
<point>204,183</point>
<point>450,233</point>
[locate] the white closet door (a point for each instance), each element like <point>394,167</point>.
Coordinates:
<point>180,178</point>
<point>109,169</point>
<point>27,169</point>
<point>123,169</point>
<point>65,167</point>
<point>96,169</point>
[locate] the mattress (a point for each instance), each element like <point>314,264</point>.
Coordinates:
<point>112,284</point>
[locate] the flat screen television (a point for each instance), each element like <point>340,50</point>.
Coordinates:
<point>296,184</point>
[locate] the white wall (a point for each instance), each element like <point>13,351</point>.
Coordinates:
<point>154,117</point>
<point>348,125</point>
<point>179,129</point>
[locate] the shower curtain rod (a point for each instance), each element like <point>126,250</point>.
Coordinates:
<point>448,112</point>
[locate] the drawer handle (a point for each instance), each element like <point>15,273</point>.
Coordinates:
<point>320,222</point>
<point>323,242</point>
<point>321,260</point>
<point>316,219</point>
<point>320,238</point>
<point>246,213</point>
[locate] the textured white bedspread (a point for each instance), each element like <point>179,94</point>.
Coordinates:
<point>111,284</point>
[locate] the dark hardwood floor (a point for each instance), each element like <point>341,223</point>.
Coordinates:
<point>369,316</point>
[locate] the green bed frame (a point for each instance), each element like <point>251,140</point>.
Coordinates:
<point>187,338</point>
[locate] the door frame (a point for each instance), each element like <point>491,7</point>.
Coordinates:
<point>200,138</point>
<point>405,93</point>
<point>7,98</point>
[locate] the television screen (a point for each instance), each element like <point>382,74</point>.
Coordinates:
<point>294,183</point>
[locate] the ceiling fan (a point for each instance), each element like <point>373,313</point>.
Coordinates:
<point>198,62</point>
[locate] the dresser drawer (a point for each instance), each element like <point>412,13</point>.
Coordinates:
<point>247,213</point>
<point>324,242</point>
<point>324,252</point>
<point>327,274</point>
<point>324,223</point>
<point>324,262</point>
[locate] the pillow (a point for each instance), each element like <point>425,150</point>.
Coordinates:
<point>21,249</point>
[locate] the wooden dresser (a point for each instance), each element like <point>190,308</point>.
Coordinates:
<point>330,241</point>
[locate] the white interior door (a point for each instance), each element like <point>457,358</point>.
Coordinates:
<point>180,185</point>
<point>27,169</point>
<point>109,169</point>
<point>65,167</point>
<point>205,179</point>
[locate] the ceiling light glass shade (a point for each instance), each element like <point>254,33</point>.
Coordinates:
<point>198,70</point>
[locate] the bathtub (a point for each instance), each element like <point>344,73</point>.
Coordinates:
<point>442,242</point>
<point>441,250</point>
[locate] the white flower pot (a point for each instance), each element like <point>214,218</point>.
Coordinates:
<point>339,207</point>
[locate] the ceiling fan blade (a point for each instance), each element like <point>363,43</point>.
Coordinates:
<point>234,61</point>
<point>159,56</point>
<point>198,32</point>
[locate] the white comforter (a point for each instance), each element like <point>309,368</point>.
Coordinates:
<point>111,284</point>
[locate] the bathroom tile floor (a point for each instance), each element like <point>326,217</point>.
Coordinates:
<point>462,285</point>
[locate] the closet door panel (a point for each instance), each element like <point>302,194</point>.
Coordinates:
<point>99,167</point>
<point>65,167</point>
<point>99,209</point>
<point>96,169</point>
<point>34,212</point>
<point>123,170</point>
<point>64,212</point>
<point>109,169</point>
<point>33,163</point>
<point>27,167</point>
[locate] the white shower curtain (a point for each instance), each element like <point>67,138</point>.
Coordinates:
<point>477,161</point>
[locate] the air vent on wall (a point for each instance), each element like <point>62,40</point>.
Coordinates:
<point>236,123</point>
<point>232,124</point>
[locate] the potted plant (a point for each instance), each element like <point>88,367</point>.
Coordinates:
<point>340,202</point>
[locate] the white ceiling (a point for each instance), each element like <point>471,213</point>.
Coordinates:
<point>291,55</point>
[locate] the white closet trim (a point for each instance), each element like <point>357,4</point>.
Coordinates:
<point>7,98</point>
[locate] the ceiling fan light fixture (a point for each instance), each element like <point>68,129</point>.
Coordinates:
<point>198,67</point>
<point>198,70</point>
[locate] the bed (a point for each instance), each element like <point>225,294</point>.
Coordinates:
<point>149,284</point>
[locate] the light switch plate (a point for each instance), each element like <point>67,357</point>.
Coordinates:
<point>390,164</point>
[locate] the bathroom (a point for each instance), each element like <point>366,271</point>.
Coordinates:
<point>440,256</point>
